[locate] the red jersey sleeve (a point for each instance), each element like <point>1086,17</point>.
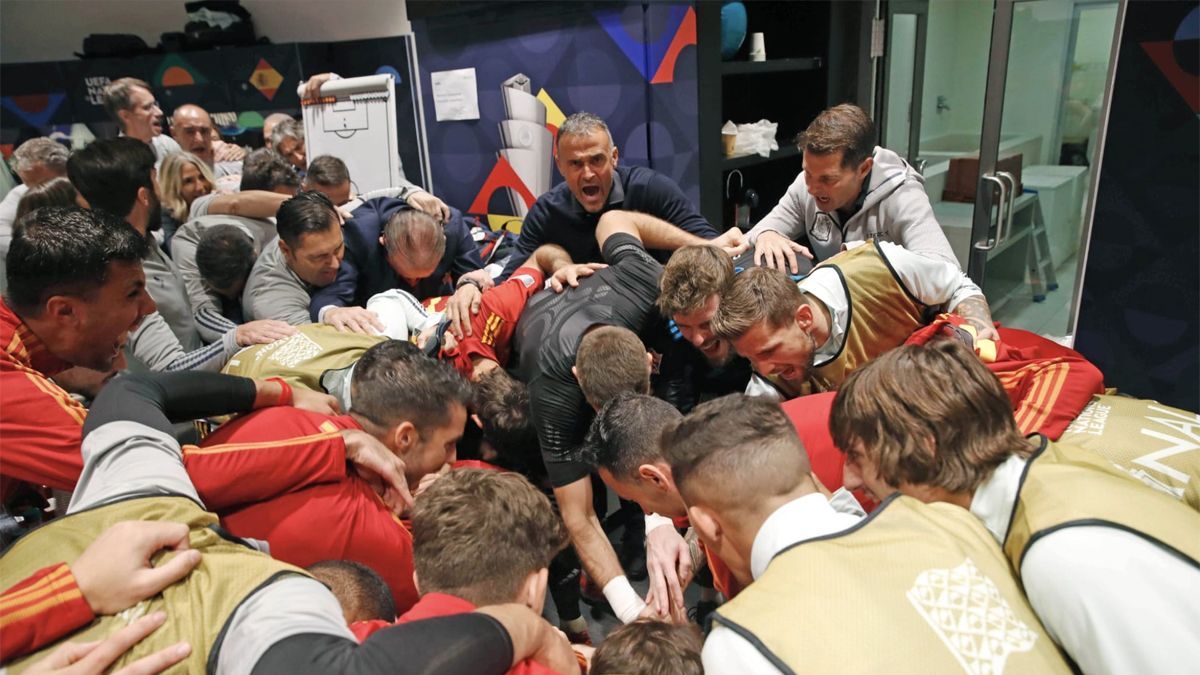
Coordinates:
<point>1049,384</point>
<point>267,453</point>
<point>40,610</point>
<point>501,306</point>
<point>42,428</point>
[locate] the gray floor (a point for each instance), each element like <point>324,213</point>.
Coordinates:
<point>1049,317</point>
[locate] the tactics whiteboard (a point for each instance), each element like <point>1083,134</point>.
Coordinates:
<point>355,121</point>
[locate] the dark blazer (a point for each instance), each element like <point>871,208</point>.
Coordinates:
<point>365,270</point>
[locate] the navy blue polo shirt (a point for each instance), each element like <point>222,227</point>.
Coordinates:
<point>558,218</point>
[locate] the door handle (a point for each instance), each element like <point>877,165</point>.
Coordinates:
<point>988,244</point>
<point>1012,199</point>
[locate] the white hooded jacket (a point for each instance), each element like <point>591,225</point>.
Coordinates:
<point>896,209</point>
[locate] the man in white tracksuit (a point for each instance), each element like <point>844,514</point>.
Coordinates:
<point>850,190</point>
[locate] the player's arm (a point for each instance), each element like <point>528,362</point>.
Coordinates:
<point>657,233</point>
<point>555,407</point>
<point>595,550</point>
<point>937,282</point>
<point>977,313</point>
<point>549,258</point>
<point>556,264</point>
<point>250,204</point>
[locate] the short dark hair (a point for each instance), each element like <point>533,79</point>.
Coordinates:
<point>611,360</point>
<point>66,251</point>
<point>649,646</point>
<point>265,169</point>
<point>844,128</point>
<point>393,384</point>
<point>54,192</point>
<point>327,171</point>
<point>109,172</point>
<point>502,403</point>
<point>478,533</point>
<point>734,451</point>
<point>303,214</point>
<point>625,433</point>
<point>225,255</point>
<point>360,590</point>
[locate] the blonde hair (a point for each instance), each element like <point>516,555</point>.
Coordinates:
<point>170,182</point>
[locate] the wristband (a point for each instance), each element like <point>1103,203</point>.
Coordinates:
<point>463,281</point>
<point>285,394</point>
<point>655,521</point>
<point>625,602</point>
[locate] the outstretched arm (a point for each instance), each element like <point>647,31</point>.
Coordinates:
<point>657,233</point>
<point>251,204</point>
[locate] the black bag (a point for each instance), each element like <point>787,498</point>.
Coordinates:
<point>105,45</point>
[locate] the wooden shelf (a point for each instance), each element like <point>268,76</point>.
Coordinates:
<point>771,66</point>
<point>730,163</point>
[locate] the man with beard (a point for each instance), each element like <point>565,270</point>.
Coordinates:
<point>75,291</point>
<point>118,176</point>
<point>849,310</point>
<point>303,258</point>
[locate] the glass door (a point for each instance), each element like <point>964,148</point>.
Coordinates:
<point>1047,67</point>
<point>904,65</point>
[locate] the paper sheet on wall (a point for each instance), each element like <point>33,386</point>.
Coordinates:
<point>455,96</point>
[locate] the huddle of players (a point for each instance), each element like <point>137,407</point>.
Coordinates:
<point>734,463</point>
<point>736,468</point>
<point>929,422</point>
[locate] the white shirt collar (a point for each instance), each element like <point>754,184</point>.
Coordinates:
<point>994,499</point>
<point>801,519</point>
<point>826,285</point>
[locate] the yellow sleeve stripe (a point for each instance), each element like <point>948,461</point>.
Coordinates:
<point>1036,407</point>
<point>36,588</point>
<point>260,445</point>
<point>60,396</point>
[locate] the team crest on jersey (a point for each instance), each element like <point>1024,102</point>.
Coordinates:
<point>823,228</point>
<point>525,279</point>
<point>655,362</point>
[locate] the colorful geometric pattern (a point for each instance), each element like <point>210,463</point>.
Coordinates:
<point>655,61</point>
<point>1163,54</point>
<point>502,176</point>
<point>175,72</point>
<point>266,79</point>
<point>34,109</point>
<point>554,116</point>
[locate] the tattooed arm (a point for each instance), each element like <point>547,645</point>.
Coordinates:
<point>938,283</point>
<point>975,310</point>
